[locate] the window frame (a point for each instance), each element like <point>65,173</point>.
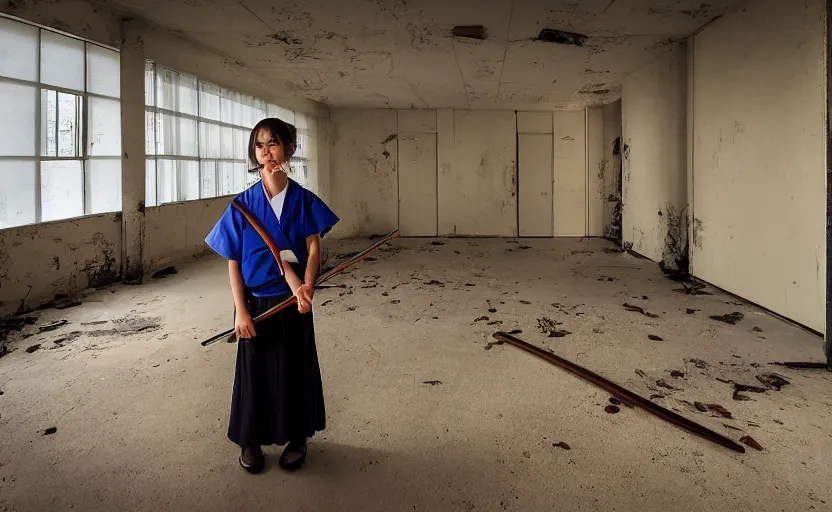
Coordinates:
<point>202,119</point>
<point>82,115</point>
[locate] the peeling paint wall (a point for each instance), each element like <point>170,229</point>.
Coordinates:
<point>176,232</point>
<point>570,173</point>
<point>45,260</point>
<point>611,192</point>
<point>477,174</point>
<point>604,171</point>
<point>364,177</point>
<point>758,157</point>
<point>654,149</point>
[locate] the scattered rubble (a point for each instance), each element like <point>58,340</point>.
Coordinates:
<point>52,325</point>
<point>639,309</point>
<point>773,381</point>
<point>730,318</point>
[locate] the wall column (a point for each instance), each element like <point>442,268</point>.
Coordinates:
<point>133,147</point>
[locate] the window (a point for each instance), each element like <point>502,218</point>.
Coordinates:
<point>197,137</point>
<point>60,126</point>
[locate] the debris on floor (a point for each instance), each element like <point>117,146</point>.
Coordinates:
<point>773,381</point>
<point>550,328</point>
<point>562,445</point>
<point>33,348</point>
<point>49,431</point>
<point>639,309</point>
<point>51,326</point>
<point>699,363</point>
<point>432,382</point>
<point>663,384</point>
<point>612,409</point>
<point>654,337</point>
<point>730,318</point>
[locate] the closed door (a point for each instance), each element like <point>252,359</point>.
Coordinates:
<point>417,184</point>
<point>535,176</point>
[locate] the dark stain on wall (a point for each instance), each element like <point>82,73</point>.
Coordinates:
<point>613,229</point>
<point>104,269</point>
<point>676,252</point>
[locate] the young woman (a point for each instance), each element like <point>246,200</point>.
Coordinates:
<point>277,396</point>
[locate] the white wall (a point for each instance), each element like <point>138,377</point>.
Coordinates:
<point>176,232</point>
<point>476,170</point>
<point>758,156</point>
<point>570,187</point>
<point>596,170</point>
<point>364,171</point>
<point>41,261</point>
<point>654,127</point>
<point>477,177</point>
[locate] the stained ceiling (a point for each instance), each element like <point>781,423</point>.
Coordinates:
<point>402,54</point>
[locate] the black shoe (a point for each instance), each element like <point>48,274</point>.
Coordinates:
<point>294,455</point>
<point>256,466</point>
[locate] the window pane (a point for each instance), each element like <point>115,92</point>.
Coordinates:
<point>300,121</point>
<point>209,101</point>
<point>104,127</point>
<point>17,193</point>
<point>177,136</point>
<point>165,88</point>
<point>187,95</point>
<point>49,123</point>
<point>61,189</point>
<point>149,80</point>
<point>260,111</point>
<point>209,179</point>
<point>226,142</point>
<point>103,71</point>
<point>240,144</point>
<point>103,182</point>
<point>150,133</point>
<point>230,109</point>
<point>166,184</point>
<point>225,177</point>
<point>247,111</point>
<point>18,50</point>
<point>61,61</point>
<point>17,120</point>
<point>209,140</point>
<point>240,177</point>
<point>188,180</point>
<point>150,183</point>
<point>284,114</point>
<point>69,131</point>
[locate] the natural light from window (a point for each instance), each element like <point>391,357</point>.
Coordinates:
<point>60,126</point>
<point>197,137</point>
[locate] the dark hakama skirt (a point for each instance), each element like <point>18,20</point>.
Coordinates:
<point>278,394</point>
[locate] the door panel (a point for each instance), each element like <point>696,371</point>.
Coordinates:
<point>535,174</point>
<point>417,184</point>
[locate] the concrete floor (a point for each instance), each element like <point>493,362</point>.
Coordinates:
<point>141,408</point>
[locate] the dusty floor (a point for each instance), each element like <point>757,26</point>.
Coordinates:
<point>423,413</point>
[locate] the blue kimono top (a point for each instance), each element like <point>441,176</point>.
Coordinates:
<point>234,238</point>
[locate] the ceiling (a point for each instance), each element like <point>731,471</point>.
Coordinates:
<point>401,53</point>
